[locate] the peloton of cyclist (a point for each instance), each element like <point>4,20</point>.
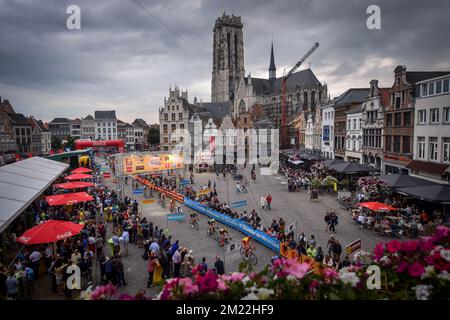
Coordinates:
<point>248,245</point>
<point>224,237</point>
<point>211,226</point>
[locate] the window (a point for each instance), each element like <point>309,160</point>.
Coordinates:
<point>422,116</point>
<point>360,126</point>
<point>174,127</point>
<point>397,100</point>
<point>389,120</point>
<point>447,114</point>
<point>398,119</point>
<point>389,143</point>
<point>407,118</point>
<point>445,85</point>
<point>354,145</point>
<point>438,87</point>
<point>446,149</point>
<point>165,128</point>
<point>166,140</point>
<point>354,124</point>
<point>166,117</point>
<point>173,116</point>
<point>349,126</point>
<point>245,120</point>
<point>397,144</point>
<point>424,89</point>
<point>434,115</point>
<point>178,108</point>
<point>433,148</point>
<point>182,126</point>
<point>406,144</point>
<point>431,88</point>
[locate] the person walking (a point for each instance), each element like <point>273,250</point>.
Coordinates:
<point>12,286</point>
<point>238,188</point>
<point>125,241</point>
<point>263,202</point>
<point>151,268</point>
<point>269,201</point>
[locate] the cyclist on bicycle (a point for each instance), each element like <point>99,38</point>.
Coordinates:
<point>179,210</point>
<point>248,245</point>
<point>211,226</point>
<point>224,236</point>
<point>194,218</point>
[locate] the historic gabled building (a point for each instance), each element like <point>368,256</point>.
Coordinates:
<point>353,139</point>
<point>373,125</point>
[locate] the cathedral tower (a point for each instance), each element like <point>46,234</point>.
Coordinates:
<point>272,68</point>
<point>228,57</point>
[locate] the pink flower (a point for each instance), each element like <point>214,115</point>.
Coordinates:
<point>165,294</point>
<point>427,244</point>
<point>237,276</point>
<point>416,269</point>
<point>221,285</point>
<point>393,246</point>
<point>313,285</point>
<point>190,289</point>
<point>208,282</point>
<point>296,269</point>
<point>402,266</point>
<point>409,246</point>
<point>330,273</point>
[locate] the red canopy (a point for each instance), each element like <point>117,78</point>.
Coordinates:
<point>50,231</point>
<point>74,185</point>
<point>377,206</point>
<point>78,176</point>
<point>81,170</point>
<point>68,198</point>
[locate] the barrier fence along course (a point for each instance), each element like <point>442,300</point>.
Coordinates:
<point>257,235</point>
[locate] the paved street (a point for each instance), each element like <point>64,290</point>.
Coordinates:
<point>292,207</point>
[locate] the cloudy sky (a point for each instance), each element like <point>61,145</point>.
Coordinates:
<point>128,52</point>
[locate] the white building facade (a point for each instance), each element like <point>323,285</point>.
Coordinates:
<point>328,131</point>
<point>353,138</point>
<point>309,133</point>
<point>88,128</point>
<point>431,157</point>
<point>105,125</point>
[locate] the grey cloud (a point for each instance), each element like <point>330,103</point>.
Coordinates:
<point>124,58</point>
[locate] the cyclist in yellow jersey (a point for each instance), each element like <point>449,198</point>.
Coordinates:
<point>248,245</point>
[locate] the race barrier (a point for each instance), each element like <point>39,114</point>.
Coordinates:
<point>238,204</point>
<point>237,224</point>
<point>170,194</point>
<point>242,226</point>
<point>175,217</point>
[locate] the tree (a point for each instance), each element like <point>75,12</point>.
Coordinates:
<point>153,136</point>
<point>56,144</point>
<point>70,143</point>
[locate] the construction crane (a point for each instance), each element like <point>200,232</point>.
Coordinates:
<point>284,142</point>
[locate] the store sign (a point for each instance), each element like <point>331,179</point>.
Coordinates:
<point>353,247</point>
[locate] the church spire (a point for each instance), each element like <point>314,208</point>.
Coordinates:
<point>272,68</point>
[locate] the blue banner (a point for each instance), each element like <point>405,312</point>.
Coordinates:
<point>138,191</point>
<point>239,204</point>
<point>184,182</point>
<point>175,217</point>
<point>237,224</point>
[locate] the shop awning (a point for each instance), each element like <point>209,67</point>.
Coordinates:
<point>432,193</point>
<point>377,206</point>
<point>428,167</point>
<point>403,181</point>
<point>78,176</point>
<point>350,167</point>
<point>74,185</point>
<point>81,170</point>
<point>69,198</point>
<point>22,182</point>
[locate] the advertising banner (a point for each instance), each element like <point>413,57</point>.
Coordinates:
<point>326,133</point>
<point>135,164</point>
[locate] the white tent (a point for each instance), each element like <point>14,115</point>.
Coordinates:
<point>22,182</point>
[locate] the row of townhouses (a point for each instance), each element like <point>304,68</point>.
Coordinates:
<point>404,128</point>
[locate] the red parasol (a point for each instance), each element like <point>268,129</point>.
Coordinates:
<point>50,231</point>
<point>68,198</point>
<point>78,176</point>
<point>81,170</point>
<point>377,206</point>
<point>74,185</point>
